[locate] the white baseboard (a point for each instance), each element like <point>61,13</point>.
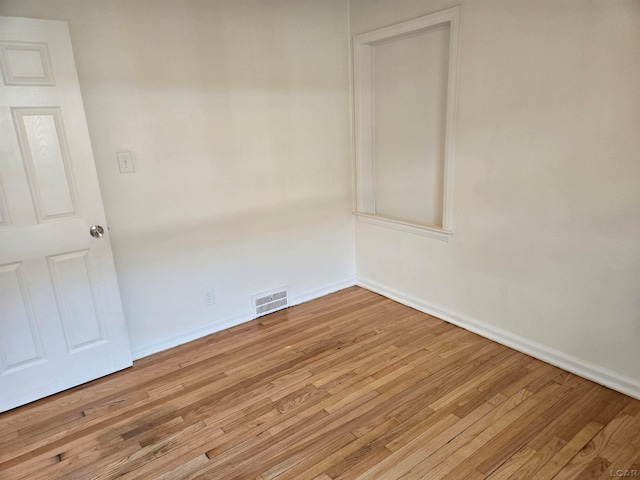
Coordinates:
<point>188,335</point>
<point>582,368</point>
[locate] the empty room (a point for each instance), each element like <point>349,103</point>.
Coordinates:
<point>319,239</point>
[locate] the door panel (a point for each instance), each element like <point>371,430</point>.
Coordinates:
<point>61,319</point>
<point>77,299</point>
<point>4,217</point>
<point>21,342</point>
<point>25,63</point>
<point>46,159</point>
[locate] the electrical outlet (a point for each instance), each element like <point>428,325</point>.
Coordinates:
<point>208,298</point>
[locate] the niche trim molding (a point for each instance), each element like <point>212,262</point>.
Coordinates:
<point>363,65</point>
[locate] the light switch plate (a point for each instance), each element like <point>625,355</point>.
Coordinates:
<point>125,162</point>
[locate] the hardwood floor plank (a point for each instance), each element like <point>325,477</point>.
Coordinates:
<point>539,459</point>
<point>596,450</point>
<point>568,451</point>
<point>518,434</point>
<point>586,409</point>
<point>509,467</point>
<point>183,470</point>
<point>322,461</point>
<point>620,461</point>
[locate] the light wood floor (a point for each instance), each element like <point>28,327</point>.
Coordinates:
<point>352,385</point>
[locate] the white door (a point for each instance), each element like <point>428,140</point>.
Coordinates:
<point>61,320</point>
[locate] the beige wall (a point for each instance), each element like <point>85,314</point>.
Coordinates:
<point>546,244</point>
<point>237,115</point>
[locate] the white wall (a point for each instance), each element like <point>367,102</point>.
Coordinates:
<point>237,115</point>
<point>546,246</point>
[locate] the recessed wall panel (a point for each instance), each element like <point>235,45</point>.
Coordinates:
<point>77,298</point>
<point>20,342</point>
<point>26,64</point>
<point>47,163</point>
<point>410,108</point>
<point>405,78</point>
